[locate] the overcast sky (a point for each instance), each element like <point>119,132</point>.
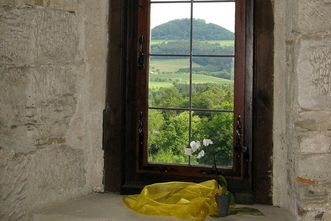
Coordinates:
<point>218,13</point>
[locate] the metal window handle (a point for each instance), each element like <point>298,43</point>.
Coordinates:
<point>141,58</point>
<point>141,128</point>
<point>238,135</point>
<point>239,147</point>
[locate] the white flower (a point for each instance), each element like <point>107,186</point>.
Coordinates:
<point>195,145</point>
<point>207,142</point>
<point>201,154</point>
<point>188,151</point>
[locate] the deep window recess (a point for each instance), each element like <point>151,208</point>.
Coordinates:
<point>190,87</point>
<point>126,102</point>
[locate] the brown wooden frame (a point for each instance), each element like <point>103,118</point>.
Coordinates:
<point>172,171</point>
<point>119,137</point>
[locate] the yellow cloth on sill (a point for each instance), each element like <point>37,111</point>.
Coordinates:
<point>184,200</point>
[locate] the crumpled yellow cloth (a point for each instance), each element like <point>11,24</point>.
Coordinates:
<point>184,200</point>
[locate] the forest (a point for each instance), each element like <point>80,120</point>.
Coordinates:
<point>211,93</point>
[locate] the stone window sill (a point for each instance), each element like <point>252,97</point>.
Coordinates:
<point>110,207</point>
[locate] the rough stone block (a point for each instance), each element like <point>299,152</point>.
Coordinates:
<point>13,117</point>
<point>313,15</point>
<point>17,3</point>
<point>13,185</point>
<point>54,172</point>
<point>38,36</point>
<point>17,39</point>
<point>314,211</point>
<point>37,105</point>
<point>312,194</point>
<point>56,37</point>
<point>315,142</point>
<point>67,5</point>
<point>51,102</point>
<point>314,120</point>
<point>314,73</point>
<point>327,215</point>
<point>27,181</point>
<point>315,166</point>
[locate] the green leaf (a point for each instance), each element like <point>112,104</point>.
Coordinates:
<point>245,211</point>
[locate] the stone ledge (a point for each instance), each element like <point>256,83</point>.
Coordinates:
<point>110,207</point>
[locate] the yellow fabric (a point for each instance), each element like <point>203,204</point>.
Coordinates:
<point>184,200</point>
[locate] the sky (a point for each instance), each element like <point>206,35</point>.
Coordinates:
<point>221,13</point>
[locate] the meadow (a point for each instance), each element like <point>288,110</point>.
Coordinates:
<point>165,72</point>
<point>222,43</point>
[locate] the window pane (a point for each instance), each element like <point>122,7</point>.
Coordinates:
<point>170,28</point>
<point>217,127</point>
<point>212,83</point>
<point>168,133</point>
<point>213,0</point>
<point>213,28</point>
<point>169,82</point>
<point>170,1</point>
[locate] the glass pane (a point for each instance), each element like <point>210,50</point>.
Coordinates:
<point>169,82</point>
<point>168,133</point>
<point>212,83</point>
<point>170,28</point>
<point>218,127</point>
<point>169,1</point>
<point>212,0</point>
<point>213,28</point>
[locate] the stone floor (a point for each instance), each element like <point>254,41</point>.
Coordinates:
<point>110,207</point>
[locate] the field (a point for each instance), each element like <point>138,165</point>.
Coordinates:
<point>164,72</point>
<point>170,65</point>
<point>167,80</point>
<point>220,42</point>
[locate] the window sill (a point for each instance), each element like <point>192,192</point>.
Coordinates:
<point>110,207</point>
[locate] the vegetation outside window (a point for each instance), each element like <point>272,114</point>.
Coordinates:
<point>190,86</point>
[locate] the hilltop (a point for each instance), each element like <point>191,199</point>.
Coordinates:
<point>180,29</point>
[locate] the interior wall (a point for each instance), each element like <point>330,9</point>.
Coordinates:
<point>302,138</point>
<point>52,86</point>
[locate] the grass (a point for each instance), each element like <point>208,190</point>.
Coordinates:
<point>227,43</point>
<point>165,72</point>
<point>167,79</point>
<point>170,65</point>
<point>220,42</point>
<point>157,85</point>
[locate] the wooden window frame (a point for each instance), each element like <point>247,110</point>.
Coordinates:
<point>238,173</point>
<point>121,99</point>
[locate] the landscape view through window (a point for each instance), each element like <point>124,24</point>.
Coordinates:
<point>191,82</point>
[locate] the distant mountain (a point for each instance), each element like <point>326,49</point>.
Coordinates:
<point>179,29</point>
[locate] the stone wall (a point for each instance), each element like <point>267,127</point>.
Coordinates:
<point>302,151</point>
<point>52,86</point>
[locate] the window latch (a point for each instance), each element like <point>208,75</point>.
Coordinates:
<point>238,135</point>
<point>141,58</point>
<point>141,129</point>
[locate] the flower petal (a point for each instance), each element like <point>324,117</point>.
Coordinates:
<point>201,154</point>
<point>195,145</point>
<point>207,142</point>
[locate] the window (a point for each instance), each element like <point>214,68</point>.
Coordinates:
<point>124,114</point>
<point>190,86</point>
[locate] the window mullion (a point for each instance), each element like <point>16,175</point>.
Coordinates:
<point>190,86</point>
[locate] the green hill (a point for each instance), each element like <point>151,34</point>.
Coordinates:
<point>179,29</point>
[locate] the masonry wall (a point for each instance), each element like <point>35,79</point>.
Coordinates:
<point>52,88</point>
<point>302,121</point>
